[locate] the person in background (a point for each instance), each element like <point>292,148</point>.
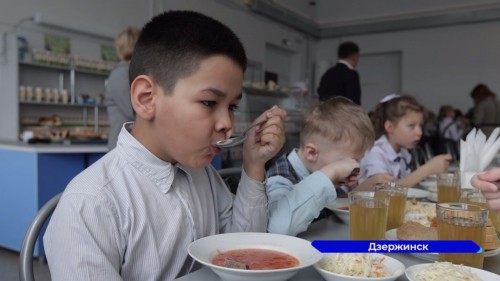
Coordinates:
<point>430,124</point>
<point>486,109</point>
<point>334,136</point>
<point>429,139</point>
<point>342,79</point>
<point>118,87</point>
<point>488,183</point>
<point>450,132</point>
<point>398,121</point>
<point>449,127</point>
<point>463,121</point>
<point>133,213</point>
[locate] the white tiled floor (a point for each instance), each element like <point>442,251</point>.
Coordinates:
<point>9,267</point>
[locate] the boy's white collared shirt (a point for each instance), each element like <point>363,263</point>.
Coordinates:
<point>131,216</point>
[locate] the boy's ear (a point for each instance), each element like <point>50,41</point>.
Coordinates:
<point>311,152</point>
<point>388,126</point>
<point>142,96</point>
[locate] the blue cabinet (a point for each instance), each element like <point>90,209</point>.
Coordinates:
<point>29,178</point>
<point>30,175</point>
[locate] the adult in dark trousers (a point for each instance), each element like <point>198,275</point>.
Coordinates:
<point>342,79</point>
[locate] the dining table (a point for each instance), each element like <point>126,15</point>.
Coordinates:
<point>332,228</point>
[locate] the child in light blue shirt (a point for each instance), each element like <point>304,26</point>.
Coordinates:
<point>335,135</point>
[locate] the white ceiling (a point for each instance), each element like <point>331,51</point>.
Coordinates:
<point>341,17</point>
<point>340,12</point>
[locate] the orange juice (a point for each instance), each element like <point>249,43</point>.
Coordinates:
<point>492,215</point>
<point>368,219</point>
<point>461,221</point>
<point>397,202</point>
<point>396,212</point>
<point>462,229</point>
<point>448,187</point>
<point>448,193</point>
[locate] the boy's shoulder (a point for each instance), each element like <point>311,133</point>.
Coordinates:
<point>282,167</point>
<point>98,175</point>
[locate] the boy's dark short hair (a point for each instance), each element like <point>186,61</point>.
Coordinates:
<point>173,43</point>
<point>347,49</point>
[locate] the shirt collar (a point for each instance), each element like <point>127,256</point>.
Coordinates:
<point>297,164</point>
<point>160,172</point>
<point>347,63</point>
<point>384,144</point>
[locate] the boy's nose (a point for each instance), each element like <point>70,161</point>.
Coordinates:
<point>223,128</point>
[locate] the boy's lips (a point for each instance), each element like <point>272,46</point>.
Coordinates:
<point>216,150</point>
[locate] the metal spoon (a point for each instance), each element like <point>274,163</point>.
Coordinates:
<point>234,141</point>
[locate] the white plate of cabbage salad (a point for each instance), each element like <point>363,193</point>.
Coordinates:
<point>446,271</point>
<point>353,266</point>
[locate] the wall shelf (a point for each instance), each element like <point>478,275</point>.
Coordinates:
<point>55,80</point>
<point>265,92</point>
<point>45,103</point>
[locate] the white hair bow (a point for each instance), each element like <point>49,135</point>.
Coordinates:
<point>389,97</point>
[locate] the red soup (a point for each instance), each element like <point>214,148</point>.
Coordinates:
<point>254,259</point>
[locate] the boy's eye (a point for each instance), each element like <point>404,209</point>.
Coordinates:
<point>233,107</point>
<point>209,103</point>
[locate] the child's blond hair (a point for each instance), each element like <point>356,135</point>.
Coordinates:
<point>125,42</point>
<point>339,120</point>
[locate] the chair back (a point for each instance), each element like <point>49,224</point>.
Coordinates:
<point>26,254</point>
<point>451,147</point>
<point>418,157</point>
<point>231,177</point>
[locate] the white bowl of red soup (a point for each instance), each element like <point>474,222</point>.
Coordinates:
<point>340,207</point>
<point>246,256</point>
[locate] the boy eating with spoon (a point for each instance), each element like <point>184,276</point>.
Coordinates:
<point>132,215</point>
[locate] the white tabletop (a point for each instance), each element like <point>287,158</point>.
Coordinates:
<point>331,228</point>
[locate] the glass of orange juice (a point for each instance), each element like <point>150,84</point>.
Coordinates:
<point>461,221</point>
<point>397,203</point>
<point>448,187</point>
<point>471,195</point>
<point>368,215</point>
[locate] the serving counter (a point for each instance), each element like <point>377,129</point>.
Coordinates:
<point>30,175</point>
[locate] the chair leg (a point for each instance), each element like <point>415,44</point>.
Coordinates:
<point>42,260</point>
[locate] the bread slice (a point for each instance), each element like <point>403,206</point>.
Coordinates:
<point>491,242</point>
<point>416,231</point>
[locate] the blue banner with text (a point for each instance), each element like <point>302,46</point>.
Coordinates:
<point>407,246</point>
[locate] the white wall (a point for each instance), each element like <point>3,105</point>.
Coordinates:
<point>254,30</point>
<point>111,16</point>
<point>440,65</point>
<point>104,17</point>
<point>342,12</point>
